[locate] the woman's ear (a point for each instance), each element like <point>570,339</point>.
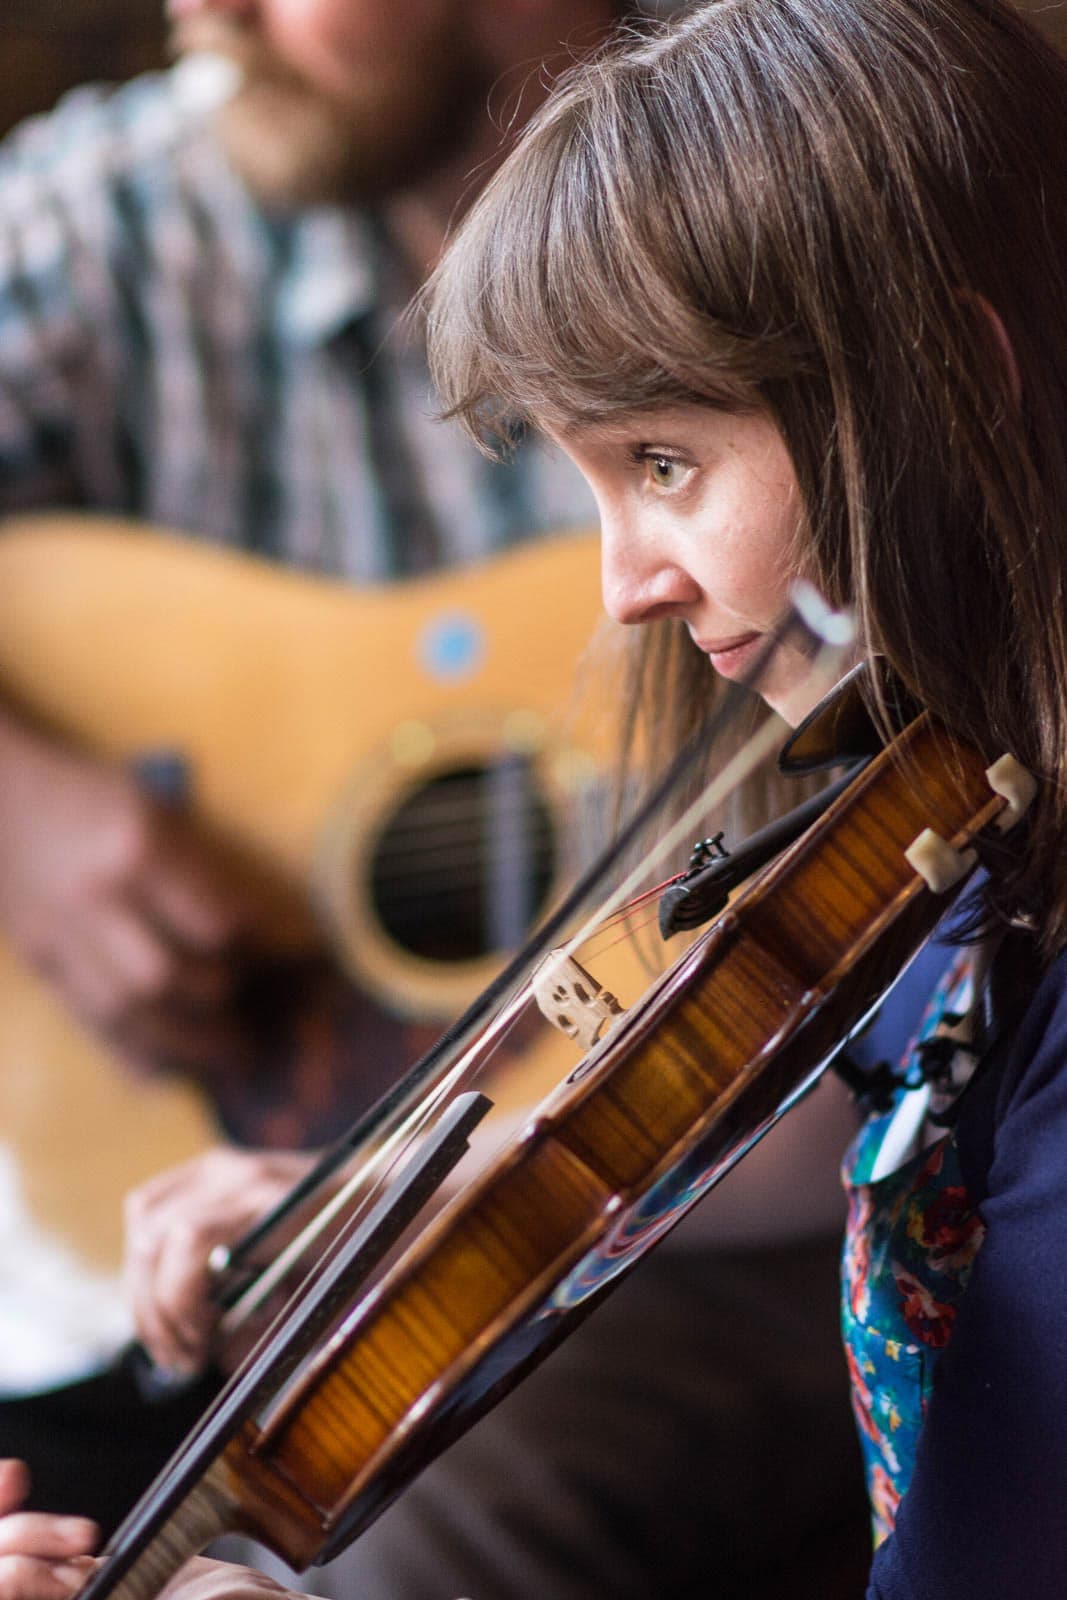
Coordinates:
<point>1002,344</point>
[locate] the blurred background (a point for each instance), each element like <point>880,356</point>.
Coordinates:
<point>47,46</point>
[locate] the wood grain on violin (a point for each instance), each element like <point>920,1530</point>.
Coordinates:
<point>359,746</point>
<point>679,1087</point>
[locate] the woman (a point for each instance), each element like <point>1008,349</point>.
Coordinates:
<point>786,280</point>
<point>787,283</point>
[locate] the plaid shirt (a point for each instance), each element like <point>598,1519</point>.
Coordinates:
<point>170,352</point>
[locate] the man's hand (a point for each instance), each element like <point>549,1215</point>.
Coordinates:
<point>41,1557</point>
<point>45,1557</point>
<point>201,1579</point>
<point>173,1222</point>
<point>117,900</point>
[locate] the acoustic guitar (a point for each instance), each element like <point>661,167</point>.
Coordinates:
<point>377,751</point>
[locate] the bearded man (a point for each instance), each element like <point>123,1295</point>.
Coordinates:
<point>203,278</point>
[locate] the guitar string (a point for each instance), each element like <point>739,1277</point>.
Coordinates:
<point>436,1073</point>
<point>383,1159</point>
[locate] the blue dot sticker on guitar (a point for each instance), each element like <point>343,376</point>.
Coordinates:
<point>452,646</point>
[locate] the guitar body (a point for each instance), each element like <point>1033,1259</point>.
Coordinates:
<point>313,721</point>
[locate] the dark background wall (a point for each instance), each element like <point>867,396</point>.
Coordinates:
<point>47,46</point>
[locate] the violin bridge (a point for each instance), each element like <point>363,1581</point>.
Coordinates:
<point>572,999</point>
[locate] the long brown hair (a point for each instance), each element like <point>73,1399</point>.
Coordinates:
<point>822,208</point>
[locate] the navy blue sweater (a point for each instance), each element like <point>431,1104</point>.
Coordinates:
<point>986,1510</point>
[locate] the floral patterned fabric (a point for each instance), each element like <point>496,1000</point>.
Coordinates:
<point>911,1238</point>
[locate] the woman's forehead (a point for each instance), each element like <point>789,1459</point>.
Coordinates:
<point>595,427</point>
<point>643,419</point>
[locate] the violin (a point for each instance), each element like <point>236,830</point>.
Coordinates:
<point>355,1390</point>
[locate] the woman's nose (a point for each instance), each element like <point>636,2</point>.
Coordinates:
<point>640,582</point>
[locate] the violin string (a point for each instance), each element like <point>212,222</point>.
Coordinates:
<point>432,1070</point>
<point>740,767</point>
<point>625,926</point>
<point>375,1168</point>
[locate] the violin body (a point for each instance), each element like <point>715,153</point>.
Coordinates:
<point>681,1085</point>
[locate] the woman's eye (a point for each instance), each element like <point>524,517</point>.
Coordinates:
<point>663,472</point>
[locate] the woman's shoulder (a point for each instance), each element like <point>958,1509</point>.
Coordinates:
<point>1034,1029</point>
<point>1011,1124</point>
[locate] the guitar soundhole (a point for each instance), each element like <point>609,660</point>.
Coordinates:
<point>466,862</point>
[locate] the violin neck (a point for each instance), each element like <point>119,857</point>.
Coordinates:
<point>205,1514</point>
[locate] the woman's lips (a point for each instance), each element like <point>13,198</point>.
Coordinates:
<point>732,657</point>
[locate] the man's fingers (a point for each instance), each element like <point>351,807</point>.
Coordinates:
<point>117,964</point>
<point>14,1484</point>
<point>187,895</point>
<point>42,1557</point>
<point>171,1304</point>
<point>83,974</point>
<point>34,1533</point>
<point>30,1578</point>
<point>168,1038</point>
<point>172,1224</point>
<point>205,1579</point>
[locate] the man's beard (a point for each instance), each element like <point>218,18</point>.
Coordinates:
<point>295,146</point>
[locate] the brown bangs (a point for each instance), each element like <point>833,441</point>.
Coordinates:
<point>581,284</point>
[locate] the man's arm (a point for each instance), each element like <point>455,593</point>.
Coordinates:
<point>119,903</point>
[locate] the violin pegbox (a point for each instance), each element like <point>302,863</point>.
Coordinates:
<point>572,999</point>
<point>940,865</point>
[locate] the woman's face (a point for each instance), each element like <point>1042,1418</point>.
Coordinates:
<point>700,520</point>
